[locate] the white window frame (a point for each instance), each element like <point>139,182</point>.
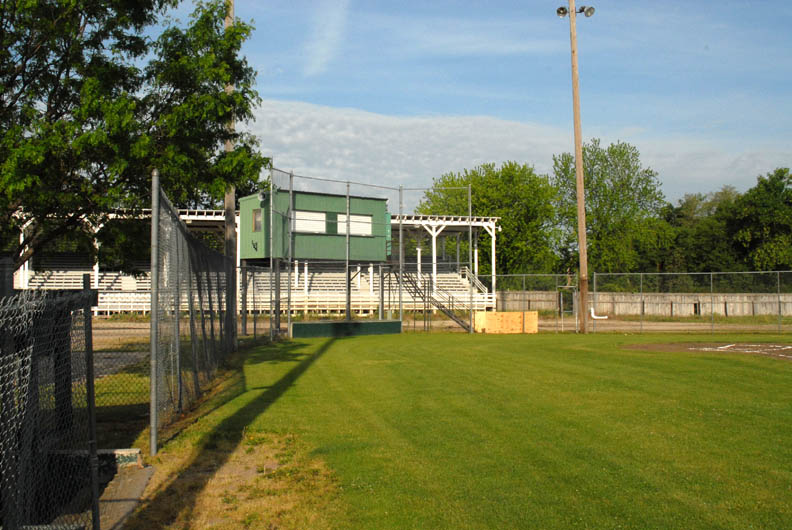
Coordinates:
<point>359,225</point>
<point>309,222</point>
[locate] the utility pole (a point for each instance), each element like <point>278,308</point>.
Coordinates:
<point>229,205</point>
<point>581,194</point>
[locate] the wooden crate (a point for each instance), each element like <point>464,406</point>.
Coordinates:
<point>506,322</point>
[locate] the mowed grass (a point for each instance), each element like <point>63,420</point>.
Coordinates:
<point>542,431</point>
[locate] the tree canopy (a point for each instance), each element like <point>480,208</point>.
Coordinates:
<point>623,205</point>
<point>701,242</point>
<point>630,226</point>
<point>514,192</point>
<point>762,222</point>
<point>84,119</point>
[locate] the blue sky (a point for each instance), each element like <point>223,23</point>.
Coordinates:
<point>402,92</point>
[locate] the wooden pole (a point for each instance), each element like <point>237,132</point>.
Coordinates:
<point>229,205</point>
<point>581,198</point>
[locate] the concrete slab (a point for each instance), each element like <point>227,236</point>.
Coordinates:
<point>122,495</point>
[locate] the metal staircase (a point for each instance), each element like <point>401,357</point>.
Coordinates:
<point>438,298</point>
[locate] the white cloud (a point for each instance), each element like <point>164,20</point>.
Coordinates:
<point>349,144</point>
<point>329,23</point>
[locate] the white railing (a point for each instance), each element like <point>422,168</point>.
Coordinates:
<point>469,276</point>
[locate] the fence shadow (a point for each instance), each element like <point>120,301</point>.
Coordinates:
<point>172,500</point>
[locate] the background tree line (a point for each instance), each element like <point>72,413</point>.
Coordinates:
<point>630,225</point>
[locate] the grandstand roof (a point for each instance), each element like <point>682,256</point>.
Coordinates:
<point>450,223</point>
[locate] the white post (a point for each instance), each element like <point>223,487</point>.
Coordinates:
<point>419,263</point>
<point>95,283</point>
<point>296,274</point>
<point>371,279</point>
<point>358,277</point>
<point>491,230</point>
<point>434,260</point>
<point>238,243</point>
<point>305,278</point>
<point>475,261</point>
<point>494,276</point>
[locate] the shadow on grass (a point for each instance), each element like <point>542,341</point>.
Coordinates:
<point>122,398</point>
<point>118,426</point>
<point>167,504</point>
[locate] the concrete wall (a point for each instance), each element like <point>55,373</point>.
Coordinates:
<point>656,304</point>
<point>683,305</point>
<point>529,300</point>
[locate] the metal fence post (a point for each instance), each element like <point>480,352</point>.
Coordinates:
<point>470,251</point>
<point>347,279</point>
<point>271,254</point>
<point>91,398</point>
<point>401,253</point>
<point>593,320</point>
<point>778,293</point>
<point>177,326</point>
<point>243,302</point>
<point>155,191</point>
<point>712,305</point>
<point>381,293</point>
<point>524,295</point>
<point>643,303</point>
<point>290,220</point>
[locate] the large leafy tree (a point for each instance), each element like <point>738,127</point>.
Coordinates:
<point>83,119</point>
<point>515,193</point>
<point>761,224</point>
<point>701,241</point>
<point>623,206</point>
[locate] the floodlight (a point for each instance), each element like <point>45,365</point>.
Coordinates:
<point>588,11</point>
<point>562,12</point>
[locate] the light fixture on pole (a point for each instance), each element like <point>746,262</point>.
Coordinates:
<point>586,10</point>
<point>581,196</point>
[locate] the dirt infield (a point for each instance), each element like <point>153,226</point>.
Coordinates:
<point>779,351</point>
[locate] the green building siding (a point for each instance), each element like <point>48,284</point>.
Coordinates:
<point>331,245</point>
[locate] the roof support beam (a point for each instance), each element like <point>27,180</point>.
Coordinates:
<point>434,229</point>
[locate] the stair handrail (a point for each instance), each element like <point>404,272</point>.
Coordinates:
<point>465,271</point>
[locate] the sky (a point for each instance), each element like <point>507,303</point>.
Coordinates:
<point>399,93</point>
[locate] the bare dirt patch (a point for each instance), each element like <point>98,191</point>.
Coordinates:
<point>267,481</point>
<point>776,350</point>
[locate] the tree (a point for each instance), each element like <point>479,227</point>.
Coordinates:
<point>83,124</point>
<point>623,205</point>
<point>761,224</point>
<point>701,241</point>
<point>514,192</point>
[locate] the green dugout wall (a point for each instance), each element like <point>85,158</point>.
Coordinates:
<point>319,226</point>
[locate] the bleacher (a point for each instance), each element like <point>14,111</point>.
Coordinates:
<point>325,291</point>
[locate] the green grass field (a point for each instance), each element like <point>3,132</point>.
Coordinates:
<point>542,431</point>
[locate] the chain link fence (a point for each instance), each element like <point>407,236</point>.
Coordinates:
<point>637,302</point>
<point>552,296</point>
<point>714,301</point>
<point>191,330</point>
<point>47,419</point>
